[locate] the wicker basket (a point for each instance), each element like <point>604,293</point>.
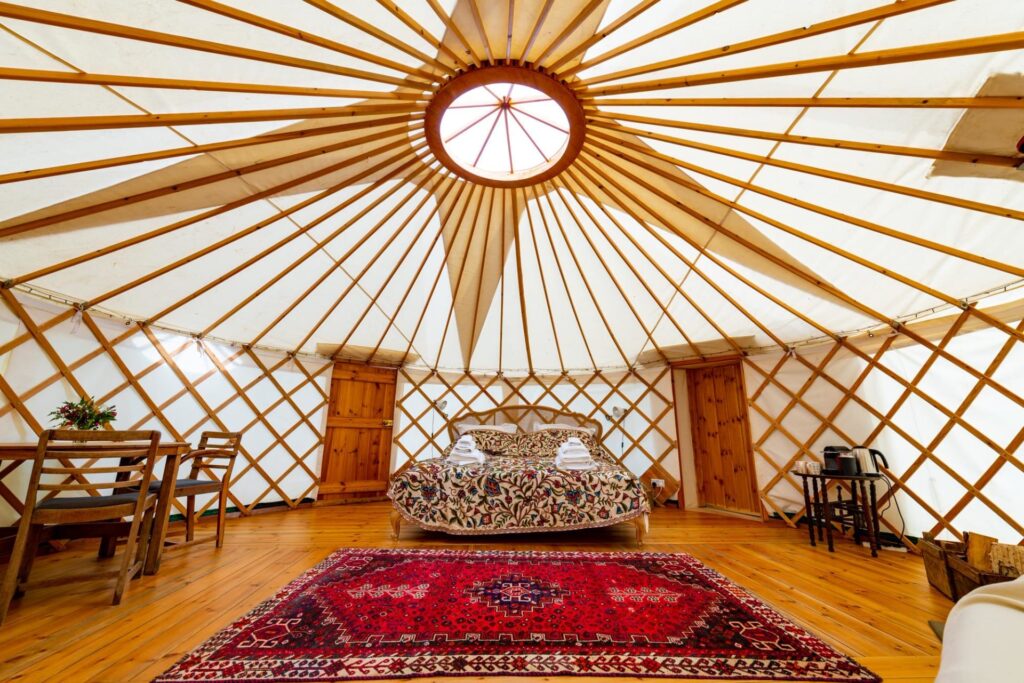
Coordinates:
<point>966,578</point>
<point>935,554</point>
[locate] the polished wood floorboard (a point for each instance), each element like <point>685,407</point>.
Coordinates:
<point>876,610</point>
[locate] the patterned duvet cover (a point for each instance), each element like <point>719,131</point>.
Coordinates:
<point>512,493</point>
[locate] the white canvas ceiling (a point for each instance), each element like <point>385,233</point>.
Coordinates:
<point>757,172</point>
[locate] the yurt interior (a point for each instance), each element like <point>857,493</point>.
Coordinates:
<point>433,339</point>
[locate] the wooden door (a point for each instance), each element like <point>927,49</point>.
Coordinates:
<point>722,450</point>
<point>357,443</point>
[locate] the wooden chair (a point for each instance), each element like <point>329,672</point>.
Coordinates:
<point>135,454</point>
<point>216,452</point>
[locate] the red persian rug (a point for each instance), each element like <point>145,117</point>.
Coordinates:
<point>377,613</point>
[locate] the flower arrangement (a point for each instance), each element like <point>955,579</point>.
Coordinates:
<point>83,414</point>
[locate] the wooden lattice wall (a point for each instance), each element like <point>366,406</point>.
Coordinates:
<point>643,438</point>
<point>166,381</point>
<point>948,414</point>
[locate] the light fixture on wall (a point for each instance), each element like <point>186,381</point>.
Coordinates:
<point>439,407</point>
<point>617,415</point>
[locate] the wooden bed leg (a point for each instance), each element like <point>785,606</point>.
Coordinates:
<point>396,524</point>
<point>641,529</point>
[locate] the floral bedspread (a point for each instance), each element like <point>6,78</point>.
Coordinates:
<point>516,493</point>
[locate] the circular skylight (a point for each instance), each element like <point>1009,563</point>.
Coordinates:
<point>504,131</point>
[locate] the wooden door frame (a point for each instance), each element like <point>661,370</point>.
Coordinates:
<point>703,364</point>
<point>361,491</point>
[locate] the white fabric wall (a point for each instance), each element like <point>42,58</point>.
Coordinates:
<point>27,366</point>
<point>991,413</point>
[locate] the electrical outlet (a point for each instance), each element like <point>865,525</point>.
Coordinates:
<point>657,483</point>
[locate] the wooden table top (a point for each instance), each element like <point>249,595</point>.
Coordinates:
<point>26,450</point>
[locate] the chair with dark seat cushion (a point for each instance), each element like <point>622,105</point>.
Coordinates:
<point>119,461</point>
<point>216,453</point>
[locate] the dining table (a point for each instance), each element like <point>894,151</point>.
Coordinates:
<point>170,451</point>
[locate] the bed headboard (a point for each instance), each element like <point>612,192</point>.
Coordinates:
<point>524,417</point>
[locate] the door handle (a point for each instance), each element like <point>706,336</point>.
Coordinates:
<point>387,423</point>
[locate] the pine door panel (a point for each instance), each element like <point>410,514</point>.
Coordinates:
<point>357,444</point>
<point>722,450</point>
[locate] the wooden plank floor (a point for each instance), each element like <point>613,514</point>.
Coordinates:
<point>876,610</point>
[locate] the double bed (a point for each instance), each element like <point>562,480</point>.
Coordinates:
<point>519,488</point>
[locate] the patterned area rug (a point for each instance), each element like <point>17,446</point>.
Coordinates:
<point>377,613</point>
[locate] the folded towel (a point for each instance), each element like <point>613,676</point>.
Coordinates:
<point>573,455</point>
<point>465,452</point>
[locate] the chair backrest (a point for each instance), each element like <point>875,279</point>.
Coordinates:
<point>81,461</point>
<point>216,451</point>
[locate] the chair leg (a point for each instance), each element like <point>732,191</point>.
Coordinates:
<point>222,508</point>
<point>128,564</point>
<point>190,518</point>
<point>146,535</point>
<point>10,582</point>
<point>34,535</point>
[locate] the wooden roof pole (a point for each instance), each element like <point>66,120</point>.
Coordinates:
<point>540,271</point>
<point>823,173</point>
<point>336,263</point>
<point>681,23</point>
<point>813,280</point>
<point>455,31</point>
<point>952,48</point>
<point>462,271</point>
<point>984,102</point>
<point>269,138</point>
<point>810,239</point>
<point>422,264</point>
<point>480,280</point>
<point>649,332</point>
<point>622,20</point>
<point>561,275</point>
<point>953,301</point>
<point>478,21</point>
<point>378,33</point>
<point>373,260</point>
<point>535,31</point>
<point>442,267</point>
<point>418,29</point>
<point>75,78</point>
<point>270,283</point>
<point>504,280</point>
<point>230,239</point>
<point>557,41</point>
<point>65,123</point>
<point>304,36</point>
<point>38,16</point>
<point>229,174</point>
<point>837,24</point>
<point>508,39</point>
<point>579,270</point>
<point>192,220</point>
<point>401,264</point>
<point>834,143</point>
<point>289,238</point>
<point>836,292</point>
<point>852,220</point>
<point>519,280</point>
<point>643,282</point>
<point>601,179</point>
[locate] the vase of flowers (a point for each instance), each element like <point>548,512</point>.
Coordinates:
<point>83,414</point>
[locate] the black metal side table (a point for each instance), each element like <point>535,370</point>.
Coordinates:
<point>860,512</point>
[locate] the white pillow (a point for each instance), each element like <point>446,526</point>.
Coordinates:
<point>541,426</point>
<point>465,427</point>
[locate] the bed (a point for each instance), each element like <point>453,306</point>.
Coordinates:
<point>518,488</point>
